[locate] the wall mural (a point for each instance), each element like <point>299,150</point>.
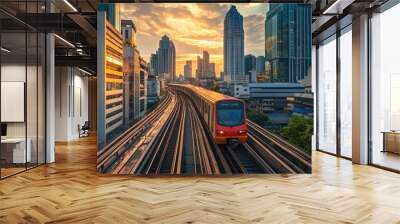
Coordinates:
<point>204,89</point>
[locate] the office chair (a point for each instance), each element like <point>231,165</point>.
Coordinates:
<point>84,130</point>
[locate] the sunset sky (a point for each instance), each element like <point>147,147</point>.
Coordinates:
<point>194,27</point>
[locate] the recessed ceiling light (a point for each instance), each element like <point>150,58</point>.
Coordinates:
<point>5,50</point>
<point>64,40</point>
<point>70,5</point>
<point>84,71</point>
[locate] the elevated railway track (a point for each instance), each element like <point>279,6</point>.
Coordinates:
<point>182,144</point>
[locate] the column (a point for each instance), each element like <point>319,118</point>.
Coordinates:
<point>101,78</point>
<point>50,98</point>
<point>360,90</point>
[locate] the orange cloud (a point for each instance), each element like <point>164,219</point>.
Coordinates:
<point>193,27</point>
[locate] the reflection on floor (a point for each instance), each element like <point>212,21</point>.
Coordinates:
<point>71,191</point>
<point>10,171</point>
<point>387,159</point>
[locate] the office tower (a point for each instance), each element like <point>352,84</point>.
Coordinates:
<point>131,72</point>
<point>260,65</point>
<point>166,58</point>
<point>154,64</point>
<point>288,42</point>
<point>144,71</point>
<point>205,65</point>
<point>211,70</point>
<point>233,45</point>
<point>113,13</point>
<point>187,70</point>
<point>249,64</point>
<point>199,69</point>
<point>153,88</point>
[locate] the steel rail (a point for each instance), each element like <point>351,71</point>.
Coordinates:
<point>130,162</point>
<point>151,153</point>
<point>275,160</point>
<point>159,153</point>
<point>111,153</point>
<point>264,166</point>
<point>283,144</point>
<point>293,162</point>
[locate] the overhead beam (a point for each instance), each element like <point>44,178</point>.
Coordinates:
<point>81,61</point>
<point>84,24</point>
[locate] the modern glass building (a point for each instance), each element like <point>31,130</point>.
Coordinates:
<point>233,45</point>
<point>154,64</point>
<point>131,69</point>
<point>187,69</point>
<point>166,58</point>
<point>260,65</point>
<point>249,64</point>
<point>287,45</point>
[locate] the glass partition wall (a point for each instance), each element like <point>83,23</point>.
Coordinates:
<point>334,83</point>
<point>22,77</point>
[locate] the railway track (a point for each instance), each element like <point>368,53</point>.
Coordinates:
<point>183,145</point>
<point>173,154</point>
<point>110,156</point>
<point>294,159</point>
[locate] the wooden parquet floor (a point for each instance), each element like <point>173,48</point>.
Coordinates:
<point>70,191</point>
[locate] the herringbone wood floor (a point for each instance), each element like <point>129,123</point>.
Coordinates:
<point>70,191</point>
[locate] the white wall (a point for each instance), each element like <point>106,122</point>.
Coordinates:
<point>33,126</point>
<point>15,73</point>
<point>71,103</point>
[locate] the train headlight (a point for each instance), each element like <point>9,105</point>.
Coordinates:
<point>242,132</point>
<point>219,132</point>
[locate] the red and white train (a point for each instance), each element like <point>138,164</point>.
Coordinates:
<point>225,116</point>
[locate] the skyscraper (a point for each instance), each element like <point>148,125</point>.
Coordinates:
<point>166,58</point>
<point>187,70</point>
<point>211,70</point>
<point>249,64</point>
<point>131,72</point>
<point>154,64</point>
<point>143,87</point>
<point>113,13</point>
<point>205,65</point>
<point>199,69</point>
<point>288,42</point>
<point>233,45</point>
<point>260,65</point>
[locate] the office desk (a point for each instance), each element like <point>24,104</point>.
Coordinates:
<point>391,141</point>
<point>13,150</point>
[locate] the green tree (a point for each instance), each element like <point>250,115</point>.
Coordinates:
<point>216,88</point>
<point>257,117</point>
<point>299,131</point>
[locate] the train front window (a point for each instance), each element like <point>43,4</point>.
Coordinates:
<point>230,113</point>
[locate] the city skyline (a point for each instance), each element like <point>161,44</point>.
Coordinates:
<point>177,22</point>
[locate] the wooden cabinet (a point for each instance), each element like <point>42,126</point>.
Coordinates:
<point>391,142</point>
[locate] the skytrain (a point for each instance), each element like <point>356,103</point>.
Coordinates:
<point>225,116</point>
